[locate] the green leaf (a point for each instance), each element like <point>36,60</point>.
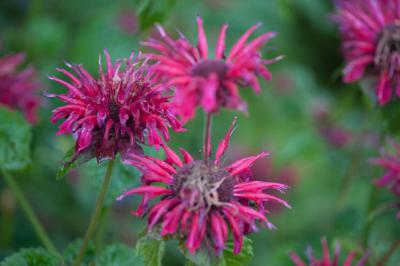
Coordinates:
<point>153,11</point>
<point>124,177</point>
<point>119,255</point>
<point>32,257</point>
<point>241,259</point>
<point>200,257</point>
<point>72,250</point>
<point>205,257</point>
<point>70,163</point>
<point>15,138</point>
<point>152,248</point>
<point>66,167</point>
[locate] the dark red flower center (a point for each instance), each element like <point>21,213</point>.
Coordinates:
<point>113,108</point>
<point>200,185</point>
<point>387,52</point>
<point>205,67</point>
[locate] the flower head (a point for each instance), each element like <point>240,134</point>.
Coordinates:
<point>113,113</point>
<point>390,162</point>
<point>203,80</point>
<point>17,88</point>
<point>326,259</point>
<point>202,201</point>
<point>371,41</point>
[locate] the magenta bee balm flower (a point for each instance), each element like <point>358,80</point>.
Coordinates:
<point>371,42</point>
<point>390,162</point>
<point>201,202</point>
<point>326,258</point>
<point>209,81</point>
<point>17,88</point>
<point>113,113</point>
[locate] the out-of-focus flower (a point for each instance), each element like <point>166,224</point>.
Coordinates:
<point>326,258</point>
<point>203,80</point>
<point>265,170</point>
<point>202,201</point>
<point>284,83</point>
<point>333,133</point>
<point>17,88</point>
<point>128,22</point>
<point>112,114</point>
<point>371,42</point>
<point>390,162</point>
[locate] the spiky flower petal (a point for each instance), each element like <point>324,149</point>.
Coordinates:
<point>390,162</point>
<point>201,202</point>
<point>326,258</point>
<point>206,81</point>
<point>371,42</point>
<point>113,113</point>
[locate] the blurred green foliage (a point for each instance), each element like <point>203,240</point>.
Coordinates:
<point>329,197</point>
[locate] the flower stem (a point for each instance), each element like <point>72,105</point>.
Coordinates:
<point>385,258</point>
<point>19,195</point>
<point>96,214</point>
<point>207,137</point>
<point>370,209</point>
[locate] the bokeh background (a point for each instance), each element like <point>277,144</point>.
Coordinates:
<point>319,131</point>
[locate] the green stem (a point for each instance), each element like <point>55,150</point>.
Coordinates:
<point>96,214</point>
<point>207,137</point>
<point>370,209</point>
<point>19,195</point>
<point>389,253</point>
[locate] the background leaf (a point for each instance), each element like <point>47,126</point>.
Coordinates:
<point>15,139</point>
<point>152,248</point>
<point>32,257</point>
<point>119,255</point>
<point>71,251</point>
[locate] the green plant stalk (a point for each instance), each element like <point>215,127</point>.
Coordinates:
<point>207,136</point>
<point>23,202</point>
<point>96,214</point>
<point>389,253</point>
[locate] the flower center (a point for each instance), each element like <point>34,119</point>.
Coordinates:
<point>203,186</point>
<point>205,67</point>
<point>387,54</point>
<point>113,108</point>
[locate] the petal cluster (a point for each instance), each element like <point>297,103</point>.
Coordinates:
<point>206,81</point>
<point>371,42</point>
<point>114,112</point>
<point>17,88</point>
<point>202,202</point>
<point>390,162</point>
<point>326,258</point>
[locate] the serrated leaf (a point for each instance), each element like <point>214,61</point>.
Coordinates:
<point>151,248</point>
<point>70,163</point>
<point>15,139</point>
<point>205,257</point>
<point>241,259</point>
<point>32,257</point>
<point>200,257</point>
<point>119,255</point>
<point>123,178</point>
<point>71,251</point>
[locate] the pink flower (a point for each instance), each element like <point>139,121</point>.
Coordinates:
<point>326,259</point>
<point>390,162</point>
<point>202,202</point>
<point>17,88</point>
<point>113,113</point>
<point>202,80</point>
<point>371,42</point>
